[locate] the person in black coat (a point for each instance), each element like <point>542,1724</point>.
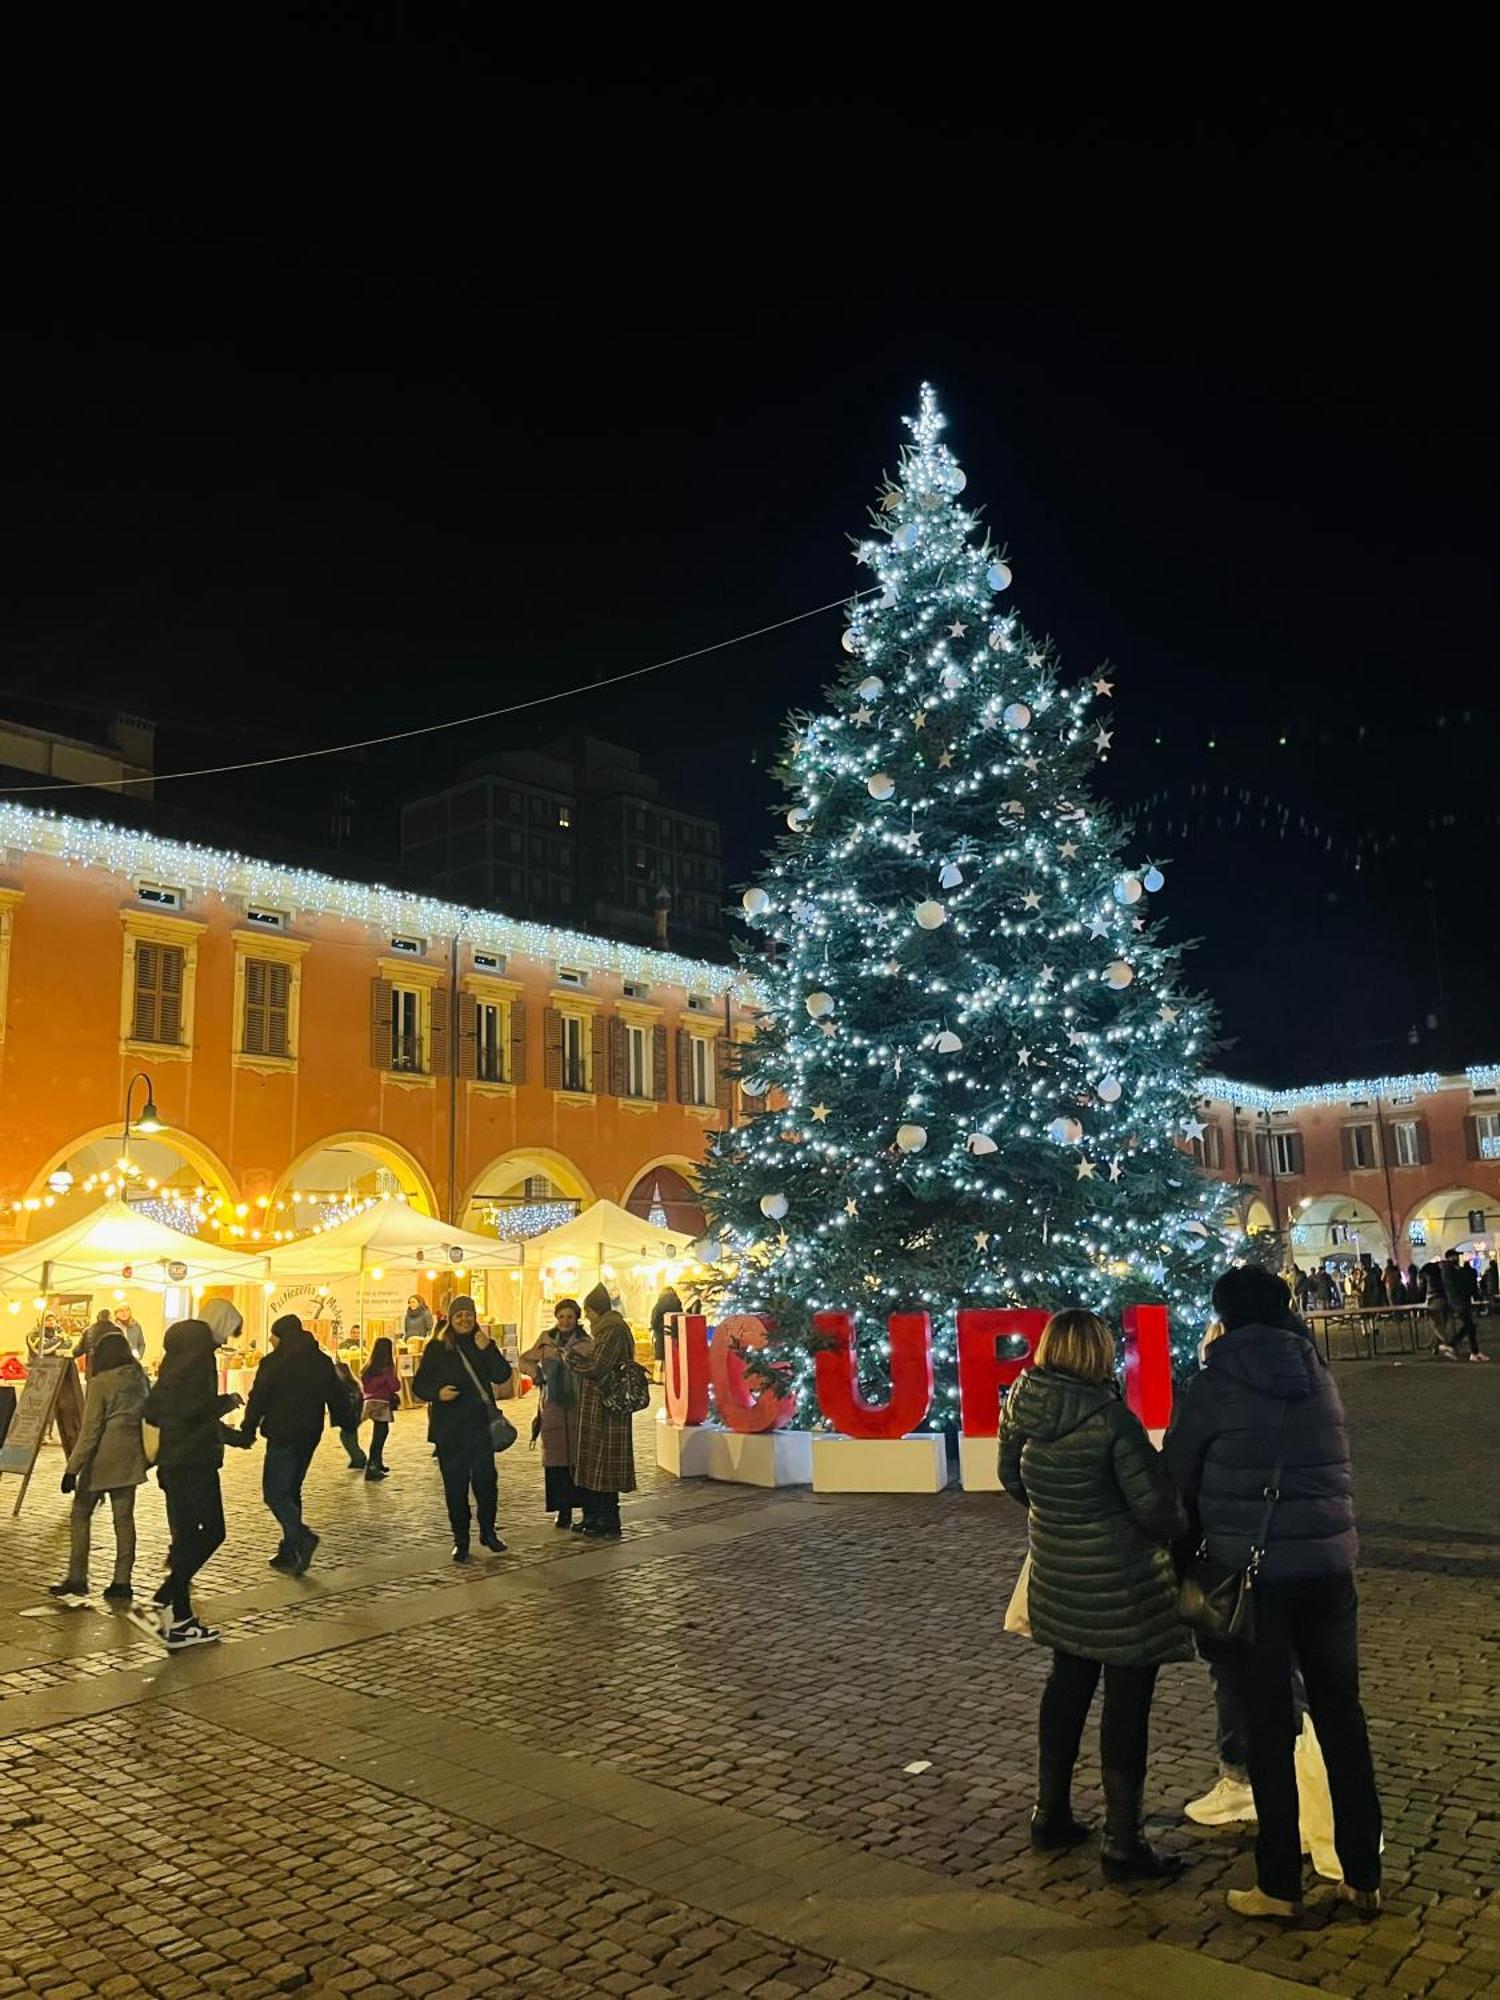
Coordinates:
<point>295,1391</point>
<point>1462,1282</point>
<point>1264,1417</point>
<point>185,1407</point>
<point>456,1378</point>
<point>1102,1591</point>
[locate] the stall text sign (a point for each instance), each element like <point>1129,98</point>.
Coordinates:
<point>52,1390</point>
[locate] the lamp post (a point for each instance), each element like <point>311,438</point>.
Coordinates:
<point>149,1121</point>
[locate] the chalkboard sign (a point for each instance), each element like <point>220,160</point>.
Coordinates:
<point>52,1391</point>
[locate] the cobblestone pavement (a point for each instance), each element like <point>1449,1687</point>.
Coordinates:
<point>698,1742</point>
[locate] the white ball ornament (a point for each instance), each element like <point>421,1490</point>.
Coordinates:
<point>947,1043</point>
<point>1065,1131</point>
<point>905,538</point>
<point>881,786</point>
<point>755,902</point>
<point>871,688</point>
<point>911,1138</point>
<point>818,1005</point>
<point>1128,889</point>
<point>1016,715</point>
<point>952,679</point>
<point>981,1143</point>
<point>773,1206</point>
<point>1111,1090</point>
<point>998,576</point>
<point>1153,881</point>
<point>1118,974</point>
<point>955,479</point>
<point>1197,1229</point>
<point>850,642</point>
<point>930,915</point>
<point>799,819</point>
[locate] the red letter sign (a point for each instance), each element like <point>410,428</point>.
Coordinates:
<point>686,1368</point>
<point>981,1373</point>
<point>740,1410</point>
<point>1148,1365</point>
<point>911,1377</point>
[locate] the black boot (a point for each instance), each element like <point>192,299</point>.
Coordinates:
<point>1053,1827</point>
<point>1124,1854</point>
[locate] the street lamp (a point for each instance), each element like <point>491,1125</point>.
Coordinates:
<point>150,1120</point>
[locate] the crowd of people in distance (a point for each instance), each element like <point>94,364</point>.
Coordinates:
<point>1452,1290</point>
<point>178,1425</point>
<point>1254,1478</point>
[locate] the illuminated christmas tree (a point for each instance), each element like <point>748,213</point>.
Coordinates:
<point>976,1068</point>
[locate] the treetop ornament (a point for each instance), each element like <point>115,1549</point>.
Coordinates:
<point>1041,1050</point>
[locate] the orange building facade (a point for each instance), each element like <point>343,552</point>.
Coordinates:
<point>1403,1166</point>
<point>310,1042</point>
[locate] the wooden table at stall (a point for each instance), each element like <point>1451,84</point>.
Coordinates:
<point>1367,1323</point>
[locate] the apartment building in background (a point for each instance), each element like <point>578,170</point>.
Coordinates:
<point>573,833</point>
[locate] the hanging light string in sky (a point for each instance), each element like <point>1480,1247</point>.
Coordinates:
<point>433,728</point>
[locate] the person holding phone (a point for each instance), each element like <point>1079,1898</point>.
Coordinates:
<point>460,1369</point>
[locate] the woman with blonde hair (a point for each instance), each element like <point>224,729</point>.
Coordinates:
<point>1103,1590</point>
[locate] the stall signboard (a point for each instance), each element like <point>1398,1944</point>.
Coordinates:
<point>343,1302</point>
<point>52,1392</point>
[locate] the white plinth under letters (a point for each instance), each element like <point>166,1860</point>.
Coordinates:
<point>761,1458</point>
<point>979,1464</point>
<point>681,1449</point>
<point>917,1464</point>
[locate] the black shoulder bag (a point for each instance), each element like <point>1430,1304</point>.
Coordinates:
<point>1219,1601</point>
<point>502,1430</point>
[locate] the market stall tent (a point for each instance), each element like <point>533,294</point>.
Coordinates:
<point>389,1235</point>
<point>118,1245</point>
<point>604,1242</point>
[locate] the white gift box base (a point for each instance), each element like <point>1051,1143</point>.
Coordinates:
<point>979,1464</point>
<point>760,1458</point>
<point>917,1464</point>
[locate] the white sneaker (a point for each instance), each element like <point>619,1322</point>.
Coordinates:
<point>1229,1803</point>
<point>191,1632</point>
<point>151,1618</point>
<point>1445,1352</point>
<point>1479,1357</point>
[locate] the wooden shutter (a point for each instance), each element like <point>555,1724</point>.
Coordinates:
<point>278,1009</point>
<point>468,1035</point>
<point>439,1030</point>
<point>1296,1164</point>
<point>158,993</point>
<point>147,980</point>
<point>723,1079</point>
<point>1346,1146</point>
<point>253,1036</point>
<point>516,1073</point>
<point>615,1075</point>
<point>552,1048</point>
<point>1471,1137</point>
<point>1424,1142</point>
<point>659,1064</point>
<point>380,1024</point>
<point>684,1067</point>
<point>1262,1153</point>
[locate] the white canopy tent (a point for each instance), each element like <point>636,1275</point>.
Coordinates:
<point>117,1244</point>
<point>603,1243</point>
<point>389,1235</point>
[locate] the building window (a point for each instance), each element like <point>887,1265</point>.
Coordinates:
<point>637,1061</point>
<point>575,1053</point>
<point>699,1078</point>
<point>1487,1130</point>
<point>406,1030</point>
<point>565,815</point>
<point>157,1011</point>
<point>267,1028</point>
<point>1406,1137</point>
<point>1209,1150</point>
<point>489,1042</point>
<point>1360,1149</point>
<point>1286,1152</point>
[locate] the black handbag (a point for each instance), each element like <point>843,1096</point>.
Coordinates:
<point>625,1390</point>
<point>1215,1599</point>
<point>502,1430</point>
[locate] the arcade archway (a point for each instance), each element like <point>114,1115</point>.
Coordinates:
<point>665,1193</point>
<point>170,1174</point>
<point>524,1193</point>
<point>1337,1229</point>
<point>331,1179</point>
<point>1461,1219</point>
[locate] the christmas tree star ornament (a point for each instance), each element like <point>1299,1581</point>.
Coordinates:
<point>1069,850</point>
<point>981,1239</point>
<point>1166,1015</point>
<point>1102,687</point>
<point>945,761</point>
<point>958,629</point>
<point>820,1114</point>
<point>851,1207</point>
<point>863,716</point>
<point>1085,1170</point>
<point>1032,900</point>
<point>1104,738</point>
<point>1023,1057</point>
<point>1193,1128</point>
<point>1034,658</point>
<point>1047,974</point>
<point>1115,1170</point>
<point>1031,765</point>
<point>1076,1040</point>
<point>919,720</point>
<point>829,1028</point>
<point>1098,928</point>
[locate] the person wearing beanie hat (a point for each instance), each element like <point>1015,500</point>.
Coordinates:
<point>606,1444</point>
<point>456,1378</point>
<point>185,1407</point>
<point>294,1388</point>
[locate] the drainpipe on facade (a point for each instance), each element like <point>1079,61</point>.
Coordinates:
<point>453,1067</point>
<point>1385,1163</point>
<point>1283,1240</point>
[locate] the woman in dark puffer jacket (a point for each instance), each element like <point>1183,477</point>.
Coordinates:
<point>1103,1590</point>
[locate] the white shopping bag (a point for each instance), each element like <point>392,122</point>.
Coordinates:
<point>1315,1804</point>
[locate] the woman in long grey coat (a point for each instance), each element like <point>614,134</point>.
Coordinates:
<point>109,1458</point>
<point>1103,1590</point>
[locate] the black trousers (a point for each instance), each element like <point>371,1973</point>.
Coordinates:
<point>195,1516</point>
<point>378,1434</point>
<point>281,1479</point>
<point>1314,1620</point>
<point>1124,1726</point>
<point>467,1463</point>
<point>600,1510</point>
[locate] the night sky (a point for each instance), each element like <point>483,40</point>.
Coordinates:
<point>402,384</point>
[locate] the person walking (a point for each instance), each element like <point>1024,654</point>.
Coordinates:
<point>1103,1590</point>
<point>380,1389</point>
<point>1258,1445</point>
<point>185,1408</point>
<point>460,1369</point>
<point>107,1462</point>
<point>294,1388</point>
<point>556,1423</point>
<point>351,1414</point>
<point>606,1436</point>
<point>418,1323</point>
<point>1462,1283</point>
